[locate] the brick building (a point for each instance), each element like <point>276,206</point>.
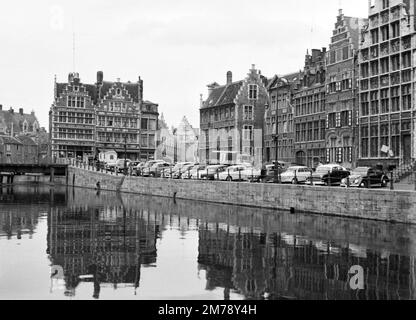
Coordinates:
<point>386,124</point>
<point>232,119</point>
<point>89,119</point>
<point>22,141</point>
<point>310,114</point>
<point>341,92</point>
<point>281,91</point>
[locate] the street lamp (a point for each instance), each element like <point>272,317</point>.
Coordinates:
<point>276,141</point>
<point>125,154</point>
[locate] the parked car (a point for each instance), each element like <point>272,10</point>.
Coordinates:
<point>137,170</point>
<point>233,173</point>
<point>176,168</point>
<point>183,171</point>
<point>123,164</point>
<point>365,177</point>
<point>328,175</point>
<point>295,175</point>
<point>156,170</point>
<point>269,174</point>
<point>211,172</point>
<point>194,172</point>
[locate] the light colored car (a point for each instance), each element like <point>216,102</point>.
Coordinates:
<point>295,175</point>
<point>233,173</point>
<point>188,174</point>
<point>174,173</point>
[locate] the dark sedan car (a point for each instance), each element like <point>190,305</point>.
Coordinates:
<point>328,175</point>
<point>269,174</point>
<point>211,172</point>
<point>365,177</point>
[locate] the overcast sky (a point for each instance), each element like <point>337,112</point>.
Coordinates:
<point>177,47</point>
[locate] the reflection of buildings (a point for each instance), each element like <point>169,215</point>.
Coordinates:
<point>108,245</point>
<point>17,221</point>
<point>284,266</point>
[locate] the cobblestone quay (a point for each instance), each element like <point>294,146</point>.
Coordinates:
<point>373,204</point>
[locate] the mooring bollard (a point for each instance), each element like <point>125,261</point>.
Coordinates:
<point>239,175</point>
<point>329,178</point>
<point>348,182</point>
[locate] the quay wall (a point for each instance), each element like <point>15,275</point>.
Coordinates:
<point>373,204</point>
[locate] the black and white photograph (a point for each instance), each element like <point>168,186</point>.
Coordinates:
<point>208,157</point>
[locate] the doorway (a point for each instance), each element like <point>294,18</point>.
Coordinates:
<point>407,148</point>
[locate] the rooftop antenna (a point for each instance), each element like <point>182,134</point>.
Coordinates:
<point>73,51</point>
<point>73,45</point>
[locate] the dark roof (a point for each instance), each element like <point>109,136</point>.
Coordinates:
<point>7,118</point>
<point>97,92</point>
<point>9,140</point>
<point>26,140</point>
<point>132,89</point>
<point>149,102</point>
<point>223,95</point>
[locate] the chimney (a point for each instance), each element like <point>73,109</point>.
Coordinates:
<point>100,77</point>
<point>11,110</point>
<point>1,107</point>
<point>21,111</point>
<point>70,78</point>
<point>229,77</point>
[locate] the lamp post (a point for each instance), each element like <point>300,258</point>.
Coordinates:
<point>276,141</point>
<point>125,154</point>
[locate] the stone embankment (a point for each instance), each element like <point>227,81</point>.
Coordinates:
<point>373,204</point>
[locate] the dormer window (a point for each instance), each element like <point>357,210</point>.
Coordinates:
<point>118,92</point>
<point>76,89</point>
<point>25,126</point>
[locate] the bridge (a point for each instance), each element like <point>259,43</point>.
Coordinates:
<point>11,170</point>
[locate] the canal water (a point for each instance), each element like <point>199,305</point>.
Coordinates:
<point>66,243</point>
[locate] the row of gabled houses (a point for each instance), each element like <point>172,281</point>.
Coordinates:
<point>104,121</point>
<point>351,104</point>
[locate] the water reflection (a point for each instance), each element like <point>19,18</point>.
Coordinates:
<point>108,240</point>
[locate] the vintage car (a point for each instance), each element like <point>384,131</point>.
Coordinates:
<point>295,175</point>
<point>212,172</point>
<point>235,173</point>
<point>365,177</point>
<point>328,175</point>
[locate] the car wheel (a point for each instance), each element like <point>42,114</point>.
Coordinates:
<point>384,183</point>
<point>229,179</point>
<point>152,175</point>
<point>364,184</point>
<point>294,181</point>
